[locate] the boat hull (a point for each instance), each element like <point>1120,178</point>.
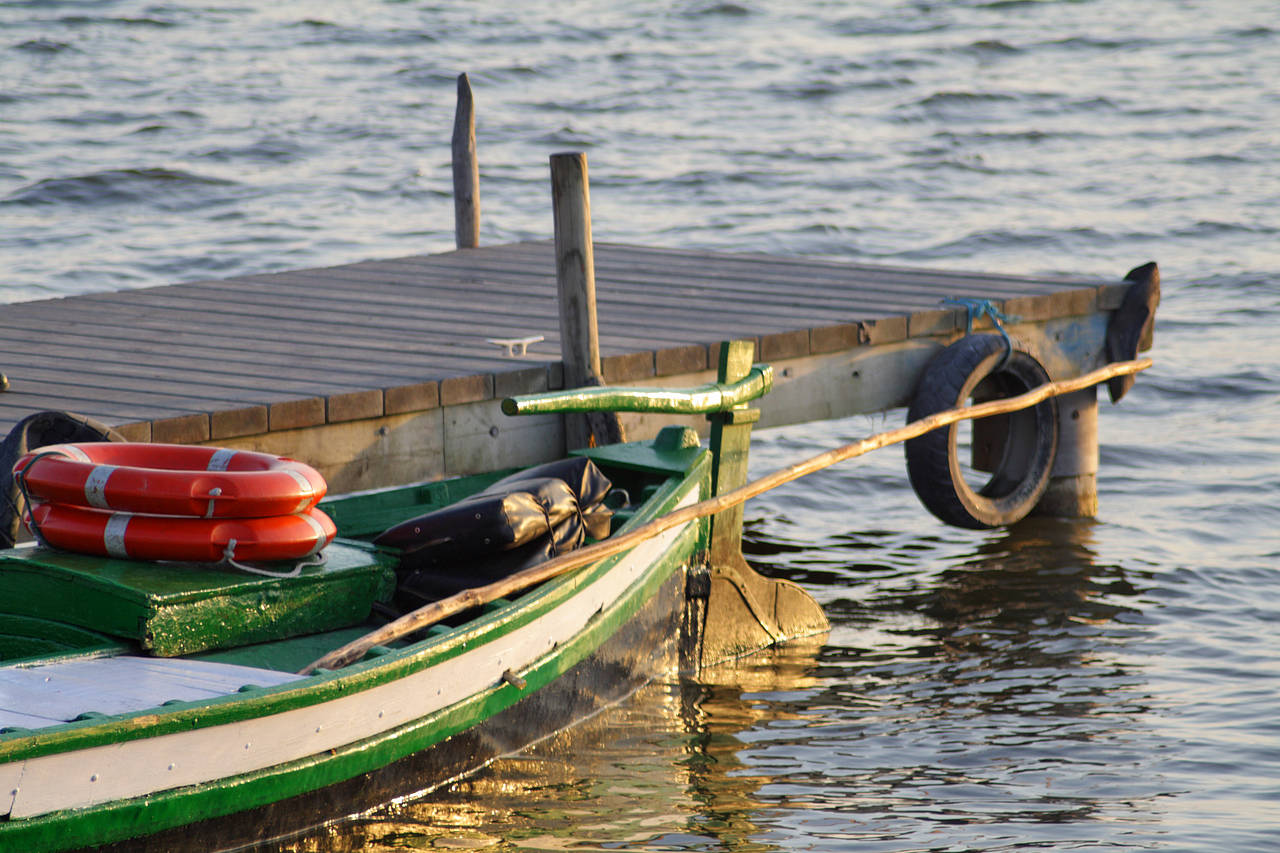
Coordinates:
<point>278,759</point>
<point>647,646</point>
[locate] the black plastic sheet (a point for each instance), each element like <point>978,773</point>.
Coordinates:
<point>517,522</point>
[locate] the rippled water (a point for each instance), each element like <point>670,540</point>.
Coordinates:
<point>1107,684</point>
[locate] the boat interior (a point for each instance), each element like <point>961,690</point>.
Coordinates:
<point>86,636</point>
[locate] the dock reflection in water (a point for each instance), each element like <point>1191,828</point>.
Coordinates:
<point>982,700</point>
<point>998,708</point>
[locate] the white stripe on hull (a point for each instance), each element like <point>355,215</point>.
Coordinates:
<point>135,768</point>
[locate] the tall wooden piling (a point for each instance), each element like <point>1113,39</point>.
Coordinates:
<point>575,281</point>
<point>466,169</point>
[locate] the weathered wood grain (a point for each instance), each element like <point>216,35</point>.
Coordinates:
<point>288,350</point>
<point>466,169</point>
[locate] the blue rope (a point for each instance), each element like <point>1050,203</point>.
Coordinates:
<point>975,308</point>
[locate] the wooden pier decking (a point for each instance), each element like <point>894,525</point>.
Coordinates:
<point>383,371</point>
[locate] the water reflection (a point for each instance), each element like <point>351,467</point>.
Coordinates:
<point>660,771</point>
<point>982,693</point>
<point>1040,571</point>
<point>996,696</point>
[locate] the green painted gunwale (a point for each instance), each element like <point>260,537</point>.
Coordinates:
<point>118,820</point>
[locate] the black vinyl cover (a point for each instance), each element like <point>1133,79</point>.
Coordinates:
<point>517,522</point>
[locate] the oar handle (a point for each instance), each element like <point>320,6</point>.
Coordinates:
<point>712,397</point>
<point>429,614</point>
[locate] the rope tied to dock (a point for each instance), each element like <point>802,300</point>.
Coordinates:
<point>975,308</point>
<point>430,614</point>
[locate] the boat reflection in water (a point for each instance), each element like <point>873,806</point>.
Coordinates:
<point>660,771</point>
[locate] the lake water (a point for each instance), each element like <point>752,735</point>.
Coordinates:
<point>1064,685</point>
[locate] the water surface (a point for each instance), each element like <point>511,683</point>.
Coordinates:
<point>1064,685</point>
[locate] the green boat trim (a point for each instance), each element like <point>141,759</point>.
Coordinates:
<point>119,819</point>
<point>704,399</point>
<point>327,686</point>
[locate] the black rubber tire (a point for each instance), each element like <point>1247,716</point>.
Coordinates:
<point>37,430</point>
<point>1031,440</point>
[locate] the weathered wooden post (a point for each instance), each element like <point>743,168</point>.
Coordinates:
<point>1073,481</point>
<point>466,170</point>
<point>730,446</point>
<point>576,286</point>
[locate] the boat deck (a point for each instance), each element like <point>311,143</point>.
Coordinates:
<point>49,694</point>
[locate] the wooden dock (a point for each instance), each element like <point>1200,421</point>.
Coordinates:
<point>384,371</point>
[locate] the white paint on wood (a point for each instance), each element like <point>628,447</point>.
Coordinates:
<point>26,721</point>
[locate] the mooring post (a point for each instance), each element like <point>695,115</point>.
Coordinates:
<point>466,169</point>
<point>575,282</point>
<point>730,449</point>
<point>1073,481</point>
<point>736,610</point>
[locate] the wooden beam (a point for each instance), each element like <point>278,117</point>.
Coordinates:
<point>434,612</point>
<point>575,282</point>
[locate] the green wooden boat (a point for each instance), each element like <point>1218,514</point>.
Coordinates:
<point>174,706</point>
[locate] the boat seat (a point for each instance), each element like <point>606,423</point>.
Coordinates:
<point>172,608</point>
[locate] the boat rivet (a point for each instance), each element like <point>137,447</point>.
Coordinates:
<point>493,432</point>
<point>93,778</point>
<point>246,746</point>
<point>380,715</point>
<point>171,766</point>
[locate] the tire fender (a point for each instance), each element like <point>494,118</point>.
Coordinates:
<point>1026,440</point>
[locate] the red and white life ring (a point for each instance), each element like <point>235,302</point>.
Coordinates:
<point>170,479</point>
<point>210,540</point>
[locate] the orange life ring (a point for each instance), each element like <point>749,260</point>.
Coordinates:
<point>170,479</point>
<point>204,540</point>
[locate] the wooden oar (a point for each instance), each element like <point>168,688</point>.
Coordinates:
<point>432,613</point>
